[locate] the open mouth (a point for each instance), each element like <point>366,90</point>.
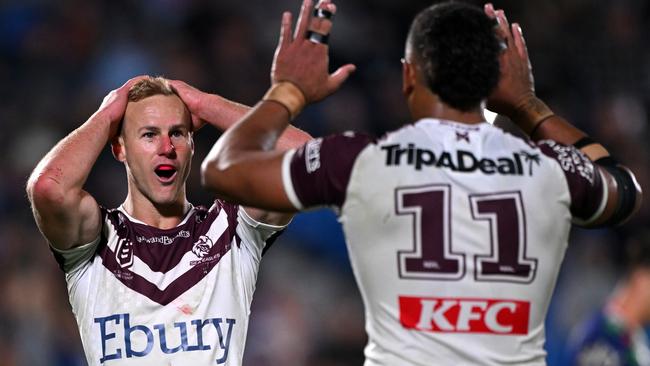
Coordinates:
<point>165,172</point>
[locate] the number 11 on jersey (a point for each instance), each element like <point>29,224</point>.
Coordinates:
<point>433,256</point>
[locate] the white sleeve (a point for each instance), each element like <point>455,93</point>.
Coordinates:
<point>71,259</point>
<point>255,234</point>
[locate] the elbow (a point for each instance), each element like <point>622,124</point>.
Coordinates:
<point>43,190</point>
<point>212,175</point>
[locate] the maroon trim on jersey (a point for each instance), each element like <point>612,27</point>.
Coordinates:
<point>583,178</point>
<point>162,257</point>
<point>321,169</point>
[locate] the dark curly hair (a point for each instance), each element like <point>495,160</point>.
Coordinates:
<point>458,51</point>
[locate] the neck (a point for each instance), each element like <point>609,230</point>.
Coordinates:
<point>424,104</point>
<point>625,306</point>
<point>162,216</point>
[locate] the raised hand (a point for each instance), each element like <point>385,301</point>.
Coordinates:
<point>516,85</point>
<point>194,101</point>
<point>114,105</point>
<point>302,58</point>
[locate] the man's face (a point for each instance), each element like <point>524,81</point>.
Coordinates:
<point>156,146</point>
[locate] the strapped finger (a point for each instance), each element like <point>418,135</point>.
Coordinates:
<point>303,20</point>
<point>320,24</point>
<point>285,30</point>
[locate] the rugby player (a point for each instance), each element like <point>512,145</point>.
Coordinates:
<point>157,280</point>
<point>456,229</point>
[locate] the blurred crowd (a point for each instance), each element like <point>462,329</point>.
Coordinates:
<point>59,58</point>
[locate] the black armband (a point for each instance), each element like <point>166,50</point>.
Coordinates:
<point>627,189</point>
<point>583,142</point>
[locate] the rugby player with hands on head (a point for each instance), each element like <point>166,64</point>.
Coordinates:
<point>157,280</point>
<point>456,229</point>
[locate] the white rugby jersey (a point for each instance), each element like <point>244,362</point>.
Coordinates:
<point>455,232</point>
<point>146,296</point>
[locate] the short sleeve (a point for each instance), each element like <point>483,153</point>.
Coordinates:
<point>584,179</point>
<point>72,259</point>
<point>318,172</point>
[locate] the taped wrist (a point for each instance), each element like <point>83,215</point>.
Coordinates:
<point>288,95</point>
<point>626,187</point>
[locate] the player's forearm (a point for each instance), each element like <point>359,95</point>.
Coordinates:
<point>258,132</point>
<point>537,120</point>
<point>223,113</point>
<point>61,174</point>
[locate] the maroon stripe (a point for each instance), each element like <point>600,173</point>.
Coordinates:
<point>160,257</point>
<point>177,287</point>
<point>198,223</point>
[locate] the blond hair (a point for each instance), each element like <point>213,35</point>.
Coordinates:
<point>150,86</point>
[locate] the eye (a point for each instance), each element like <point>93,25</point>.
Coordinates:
<point>177,133</point>
<point>148,135</point>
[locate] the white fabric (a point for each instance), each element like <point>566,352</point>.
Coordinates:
<point>205,325</point>
<point>382,232</point>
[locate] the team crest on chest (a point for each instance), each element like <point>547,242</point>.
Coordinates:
<point>202,247</point>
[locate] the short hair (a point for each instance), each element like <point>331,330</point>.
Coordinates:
<point>150,86</point>
<point>457,49</point>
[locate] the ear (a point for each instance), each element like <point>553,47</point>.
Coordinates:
<point>409,78</point>
<point>117,148</point>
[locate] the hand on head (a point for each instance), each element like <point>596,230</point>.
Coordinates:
<point>302,58</point>
<point>114,104</point>
<point>516,84</point>
<point>193,98</point>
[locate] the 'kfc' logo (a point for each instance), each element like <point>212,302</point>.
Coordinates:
<point>464,315</point>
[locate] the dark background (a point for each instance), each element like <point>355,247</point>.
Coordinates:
<point>59,58</point>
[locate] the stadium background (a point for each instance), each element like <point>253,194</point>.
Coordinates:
<point>59,58</point>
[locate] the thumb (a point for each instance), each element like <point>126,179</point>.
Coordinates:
<point>340,76</point>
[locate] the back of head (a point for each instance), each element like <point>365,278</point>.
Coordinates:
<point>457,50</point>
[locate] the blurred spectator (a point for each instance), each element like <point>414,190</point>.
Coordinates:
<point>614,336</point>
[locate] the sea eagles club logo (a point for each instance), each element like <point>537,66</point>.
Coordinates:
<point>202,246</point>
<point>460,160</point>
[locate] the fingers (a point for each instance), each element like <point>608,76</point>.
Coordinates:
<point>323,25</point>
<point>340,76</point>
<point>504,28</point>
<point>285,30</point>
<point>303,20</point>
<point>489,10</point>
<point>520,42</point>
<point>129,83</point>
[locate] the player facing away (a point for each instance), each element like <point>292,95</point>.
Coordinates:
<point>156,281</point>
<point>455,229</point>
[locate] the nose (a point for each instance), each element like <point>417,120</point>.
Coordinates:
<point>167,147</point>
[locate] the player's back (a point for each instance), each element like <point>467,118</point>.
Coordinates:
<point>456,234</point>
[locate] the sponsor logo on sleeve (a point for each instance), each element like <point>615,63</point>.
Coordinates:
<point>572,160</point>
<point>462,315</point>
<point>312,155</point>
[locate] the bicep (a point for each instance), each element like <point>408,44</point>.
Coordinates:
<point>69,223</point>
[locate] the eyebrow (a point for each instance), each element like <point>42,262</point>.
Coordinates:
<point>157,129</point>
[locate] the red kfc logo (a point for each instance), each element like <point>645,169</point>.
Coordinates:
<point>464,315</point>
